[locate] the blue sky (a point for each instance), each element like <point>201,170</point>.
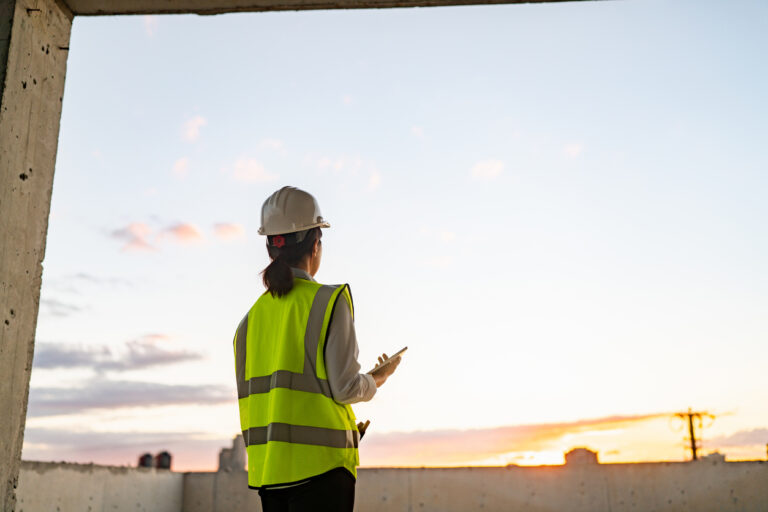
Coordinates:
<point>558,208</point>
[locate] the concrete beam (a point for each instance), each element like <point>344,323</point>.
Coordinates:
<point>34,44</point>
<point>106,7</point>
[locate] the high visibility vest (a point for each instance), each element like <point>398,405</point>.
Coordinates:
<point>292,427</point>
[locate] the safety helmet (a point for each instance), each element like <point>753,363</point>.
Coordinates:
<point>290,210</point>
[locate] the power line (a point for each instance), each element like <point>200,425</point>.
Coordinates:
<point>694,418</point>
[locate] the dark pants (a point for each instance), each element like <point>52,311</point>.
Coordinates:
<point>333,491</point>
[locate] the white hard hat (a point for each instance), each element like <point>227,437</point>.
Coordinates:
<point>290,210</point>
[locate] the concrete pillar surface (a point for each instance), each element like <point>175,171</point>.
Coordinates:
<point>34,44</point>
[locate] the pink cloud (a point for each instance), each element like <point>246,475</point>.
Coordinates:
<point>156,337</point>
<point>181,167</point>
<point>184,233</point>
<point>573,149</point>
<point>150,25</point>
<point>249,170</point>
<point>136,237</point>
<point>191,129</point>
<point>229,231</point>
<point>487,169</point>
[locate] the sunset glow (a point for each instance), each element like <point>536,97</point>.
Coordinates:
<point>561,213</point>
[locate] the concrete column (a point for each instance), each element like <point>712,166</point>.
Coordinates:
<point>34,44</point>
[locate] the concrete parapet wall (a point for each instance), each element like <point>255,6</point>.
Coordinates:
<point>653,487</point>
<point>699,487</point>
<point>50,486</point>
<point>219,492</point>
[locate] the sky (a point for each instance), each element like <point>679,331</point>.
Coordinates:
<point>560,209</point>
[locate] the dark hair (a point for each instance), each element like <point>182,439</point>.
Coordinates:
<point>278,277</point>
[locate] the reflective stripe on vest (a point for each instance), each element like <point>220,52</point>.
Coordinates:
<point>292,427</point>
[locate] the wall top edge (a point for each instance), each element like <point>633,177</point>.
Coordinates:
<point>42,467</point>
<point>210,7</point>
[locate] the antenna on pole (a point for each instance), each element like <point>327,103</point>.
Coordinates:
<point>695,419</point>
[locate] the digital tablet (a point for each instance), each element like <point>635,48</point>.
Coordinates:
<point>389,360</point>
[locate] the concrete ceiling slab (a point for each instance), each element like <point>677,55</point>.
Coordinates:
<point>109,7</point>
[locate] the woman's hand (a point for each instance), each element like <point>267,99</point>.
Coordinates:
<point>362,427</point>
<point>381,373</point>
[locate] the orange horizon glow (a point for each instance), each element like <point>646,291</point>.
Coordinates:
<point>616,439</point>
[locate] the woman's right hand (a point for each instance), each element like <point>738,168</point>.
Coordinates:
<point>380,375</point>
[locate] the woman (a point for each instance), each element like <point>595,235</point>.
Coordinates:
<point>297,370</point>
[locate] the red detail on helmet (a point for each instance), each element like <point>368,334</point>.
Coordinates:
<point>278,241</point>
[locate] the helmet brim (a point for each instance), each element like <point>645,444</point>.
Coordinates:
<point>323,224</point>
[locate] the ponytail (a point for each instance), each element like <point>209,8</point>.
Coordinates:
<point>278,276</point>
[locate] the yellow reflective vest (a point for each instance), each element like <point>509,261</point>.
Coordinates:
<point>292,427</point>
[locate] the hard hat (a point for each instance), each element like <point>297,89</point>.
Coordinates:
<point>290,210</point>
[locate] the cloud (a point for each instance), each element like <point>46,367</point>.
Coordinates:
<point>757,436</point>
<point>487,169</point>
<point>140,236</point>
<point>156,336</point>
<point>573,150</point>
<point>250,170</point>
<point>136,355</point>
<point>417,131</point>
<point>272,144</point>
<point>58,308</point>
<point>74,283</point>
<point>350,165</point>
<point>184,233</point>
<point>150,25</point>
<point>135,235</point>
<point>229,231</point>
<point>347,99</point>
<point>192,128</point>
<point>342,163</point>
<point>102,393</point>
<point>456,447</point>
<point>181,167</point>
<point>108,281</point>
<point>447,236</point>
<point>374,180</point>
<point>191,451</point>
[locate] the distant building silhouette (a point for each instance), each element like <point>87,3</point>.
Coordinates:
<point>580,457</point>
<point>714,457</point>
<point>233,459</point>
<point>163,460</point>
<point>145,460</point>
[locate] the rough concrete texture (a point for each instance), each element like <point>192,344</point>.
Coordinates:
<point>30,108</point>
<point>700,487</point>
<point>102,7</point>
<point>50,486</point>
<point>219,492</point>
<point>656,487</point>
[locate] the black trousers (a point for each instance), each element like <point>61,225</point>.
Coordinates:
<point>333,491</point>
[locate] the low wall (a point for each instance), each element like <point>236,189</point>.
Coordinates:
<point>655,487</point>
<point>64,487</point>
<point>672,487</point>
<point>661,487</point>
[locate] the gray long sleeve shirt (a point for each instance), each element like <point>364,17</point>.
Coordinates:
<point>348,385</point>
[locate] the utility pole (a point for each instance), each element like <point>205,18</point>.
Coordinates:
<point>690,416</point>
